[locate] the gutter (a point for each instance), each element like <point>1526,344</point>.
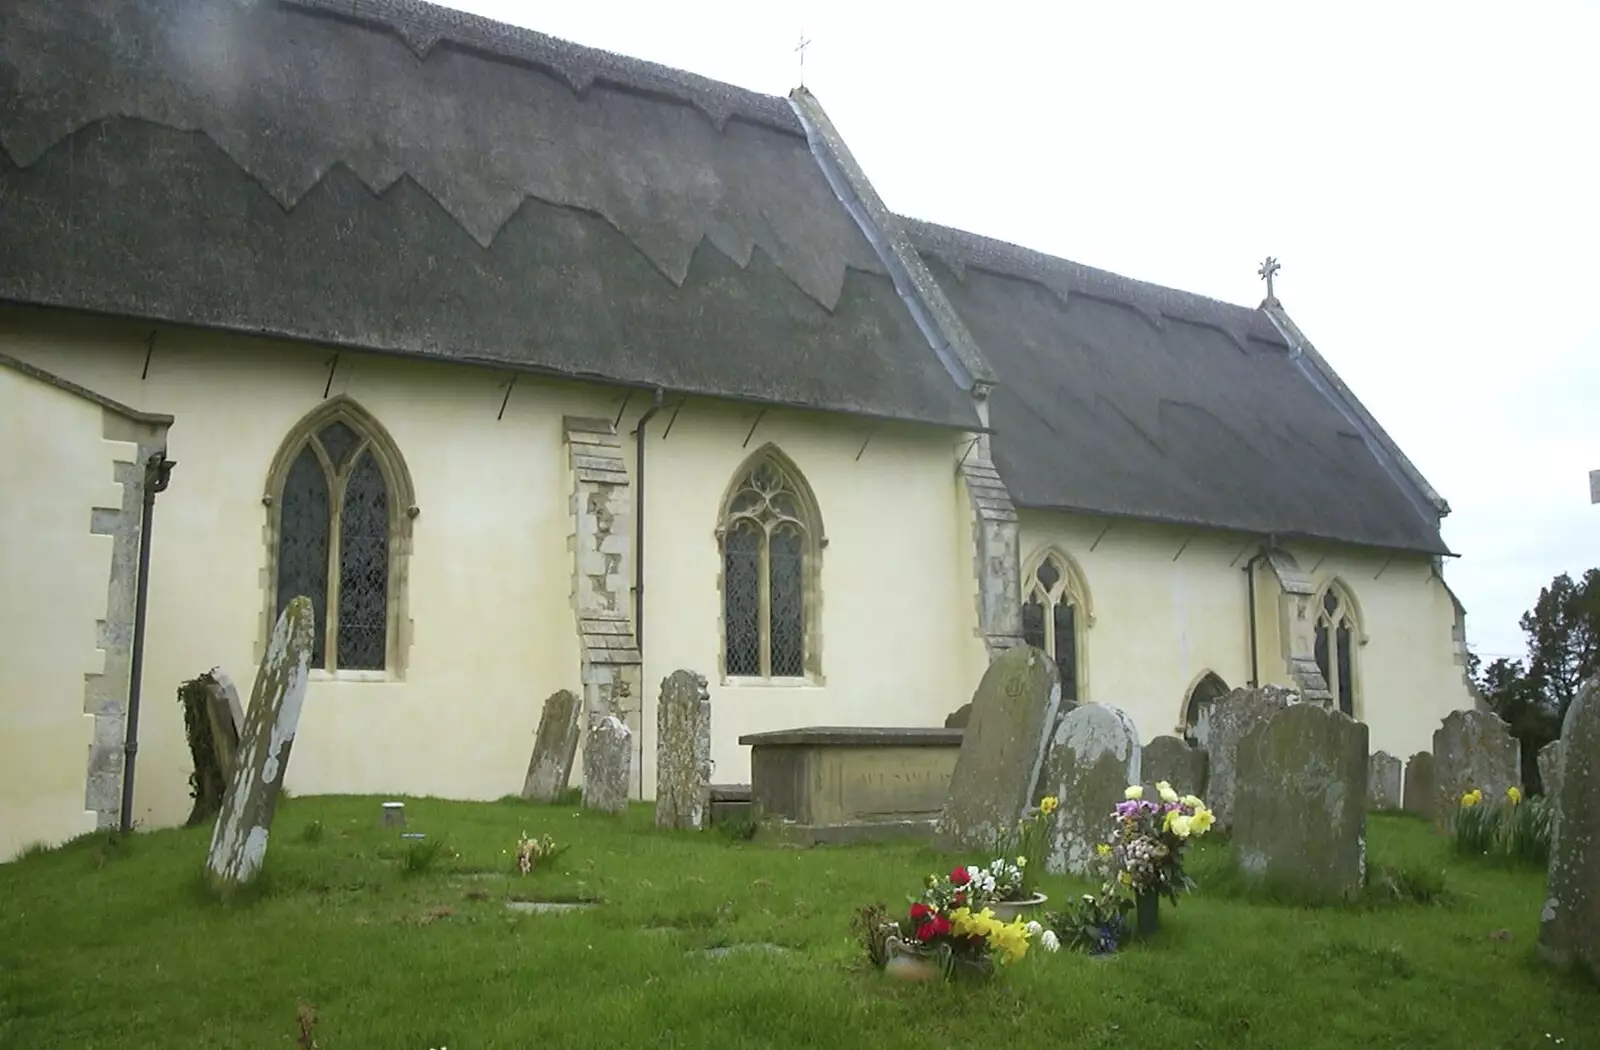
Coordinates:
<point>638,560</point>
<point>157,474</point>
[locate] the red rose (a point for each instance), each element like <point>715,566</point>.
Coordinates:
<point>920,912</point>
<point>960,877</point>
<point>941,925</point>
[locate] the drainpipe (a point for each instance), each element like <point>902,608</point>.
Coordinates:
<point>638,562</point>
<point>157,473</point>
<point>1250,578</point>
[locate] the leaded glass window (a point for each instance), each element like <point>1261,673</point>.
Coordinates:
<point>768,572</point>
<point>1197,711</point>
<point>1051,618</point>
<point>335,518</point>
<point>1334,647</point>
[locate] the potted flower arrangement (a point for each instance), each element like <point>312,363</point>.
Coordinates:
<point>1014,891</point>
<point>1147,844</point>
<point>953,939</point>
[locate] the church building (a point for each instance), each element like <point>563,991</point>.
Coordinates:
<point>537,367</point>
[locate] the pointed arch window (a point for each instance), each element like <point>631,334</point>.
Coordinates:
<point>1197,708</point>
<point>771,536</point>
<point>1337,632</point>
<point>340,506</point>
<point>1054,615</point>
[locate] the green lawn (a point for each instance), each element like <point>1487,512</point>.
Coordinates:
<point>121,948</point>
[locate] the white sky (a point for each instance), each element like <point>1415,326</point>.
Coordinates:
<point>1427,173</point>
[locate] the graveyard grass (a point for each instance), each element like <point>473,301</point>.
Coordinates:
<point>119,946</point>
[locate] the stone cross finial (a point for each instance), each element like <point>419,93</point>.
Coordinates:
<point>1266,272</point>
<point>800,49</point>
<point>1594,486</point>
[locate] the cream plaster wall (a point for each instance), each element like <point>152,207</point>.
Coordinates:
<point>490,575</point>
<point>53,580</point>
<point>1162,619</point>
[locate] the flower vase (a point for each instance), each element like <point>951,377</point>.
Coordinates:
<point>911,962</point>
<point>1007,911</point>
<point>1147,912</point>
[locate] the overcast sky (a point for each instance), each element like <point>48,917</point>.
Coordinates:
<point>1428,174</point>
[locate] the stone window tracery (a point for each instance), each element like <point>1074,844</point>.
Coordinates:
<point>1054,615</point>
<point>1337,633</point>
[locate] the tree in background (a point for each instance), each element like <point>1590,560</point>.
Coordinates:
<point>1563,631</point>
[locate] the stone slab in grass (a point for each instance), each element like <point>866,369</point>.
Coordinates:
<point>551,907</point>
<point>239,841</point>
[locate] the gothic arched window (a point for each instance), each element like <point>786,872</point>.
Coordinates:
<point>1054,614</point>
<point>771,540</point>
<point>1197,708</point>
<point>1338,630</point>
<point>340,507</point>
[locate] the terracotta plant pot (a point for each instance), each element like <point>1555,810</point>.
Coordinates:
<point>1007,911</point>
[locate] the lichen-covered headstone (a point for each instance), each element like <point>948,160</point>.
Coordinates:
<point>1232,717</point>
<point>1384,781</point>
<point>1550,770</point>
<point>1300,809</point>
<point>1093,757</point>
<point>225,717</point>
<point>1473,750</point>
<point>1002,748</point>
<point>607,760</point>
<point>683,751</point>
<point>555,745</point>
<point>957,719</point>
<point>1420,794</point>
<point>1569,925</point>
<point>239,841</point>
<point>1176,761</point>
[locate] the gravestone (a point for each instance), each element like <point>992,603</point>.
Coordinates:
<point>1384,781</point>
<point>1178,762</point>
<point>1569,925</point>
<point>1473,750</point>
<point>607,759</point>
<point>555,745</point>
<point>1002,748</point>
<point>957,719</point>
<point>225,717</point>
<point>683,752</point>
<point>1093,757</point>
<point>239,841</point>
<point>1550,770</point>
<point>1232,717</point>
<point>1300,810</point>
<point>1420,794</point>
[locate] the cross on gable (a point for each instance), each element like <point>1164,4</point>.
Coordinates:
<point>1266,272</point>
<point>800,49</point>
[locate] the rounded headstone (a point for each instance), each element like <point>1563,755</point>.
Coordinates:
<point>1569,924</point>
<point>1094,756</point>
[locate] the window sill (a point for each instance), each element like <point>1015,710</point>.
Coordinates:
<point>318,675</point>
<point>743,682</point>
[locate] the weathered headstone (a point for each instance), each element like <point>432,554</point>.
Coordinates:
<point>1002,748</point>
<point>1384,781</point>
<point>1473,750</point>
<point>239,841</point>
<point>1421,794</point>
<point>1093,757</point>
<point>1232,717</point>
<point>1551,768</point>
<point>226,718</point>
<point>607,759</point>
<point>1178,762</point>
<point>1569,925</point>
<point>555,745</point>
<point>1300,810</point>
<point>957,719</point>
<point>683,751</point>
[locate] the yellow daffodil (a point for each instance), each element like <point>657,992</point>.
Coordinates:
<point>1514,793</point>
<point>1022,862</point>
<point>1048,804</point>
<point>1133,792</point>
<point>1179,824</point>
<point>1471,798</point>
<point>1192,801</point>
<point>1202,820</point>
<point>1164,789</point>
<point>1103,850</point>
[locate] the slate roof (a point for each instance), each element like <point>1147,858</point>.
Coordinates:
<point>388,175</point>
<point>1124,398</point>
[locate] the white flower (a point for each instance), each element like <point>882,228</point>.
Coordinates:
<point>1034,929</point>
<point>1166,792</point>
<point>1050,941</point>
<point>1136,791</point>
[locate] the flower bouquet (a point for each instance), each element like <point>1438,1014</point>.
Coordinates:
<point>952,929</point>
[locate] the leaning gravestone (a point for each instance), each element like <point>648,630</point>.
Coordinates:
<point>1232,717</point>
<point>1550,770</point>
<point>1473,750</point>
<point>1093,757</point>
<point>225,717</point>
<point>1569,926</point>
<point>1420,794</point>
<point>1176,761</point>
<point>554,747</point>
<point>1002,748</point>
<point>1300,811</point>
<point>1384,781</point>
<point>683,752</point>
<point>607,759</point>
<point>239,841</point>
